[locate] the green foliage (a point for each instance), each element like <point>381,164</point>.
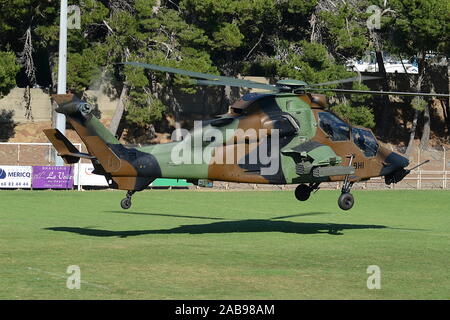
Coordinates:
<point>294,19</point>
<point>356,110</point>
<point>135,77</point>
<point>419,25</point>
<point>7,125</point>
<point>227,37</point>
<point>8,70</point>
<point>346,29</point>
<point>299,6</point>
<point>17,16</point>
<point>418,103</point>
<point>309,62</point>
<point>360,98</point>
<point>358,116</point>
<point>143,110</point>
<point>82,70</point>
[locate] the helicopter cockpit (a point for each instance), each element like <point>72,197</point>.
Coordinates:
<point>337,130</point>
<point>365,141</point>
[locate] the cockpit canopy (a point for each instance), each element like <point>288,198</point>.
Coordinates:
<point>337,130</point>
<point>365,141</point>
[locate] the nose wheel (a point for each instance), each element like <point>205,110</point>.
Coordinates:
<point>126,202</point>
<point>303,191</point>
<point>346,201</point>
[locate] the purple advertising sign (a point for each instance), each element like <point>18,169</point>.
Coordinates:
<point>54,177</point>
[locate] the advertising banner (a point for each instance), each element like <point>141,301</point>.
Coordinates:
<point>52,177</point>
<point>87,178</point>
<point>15,176</point>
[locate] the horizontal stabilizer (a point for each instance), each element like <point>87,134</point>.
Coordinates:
<point>64,147</point>
<point>78,155</point>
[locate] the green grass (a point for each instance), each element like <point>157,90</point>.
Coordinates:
<point>175,244</point>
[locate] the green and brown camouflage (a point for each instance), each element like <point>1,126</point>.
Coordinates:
<point>307,151</point>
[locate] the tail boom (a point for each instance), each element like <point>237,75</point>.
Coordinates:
<point>124,168</point>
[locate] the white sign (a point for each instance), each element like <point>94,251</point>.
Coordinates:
<point>87,178</point>
<point>15,176</point>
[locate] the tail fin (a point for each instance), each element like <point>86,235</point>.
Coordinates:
<point>109,157</point>
<point>65,148</point>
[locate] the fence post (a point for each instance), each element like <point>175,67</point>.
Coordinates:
<point>78,170</point>
<point>444,182</point>
<point>419,184</point>
<point>443,169</point>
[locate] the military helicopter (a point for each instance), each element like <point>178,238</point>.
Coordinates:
<point>284,136</point>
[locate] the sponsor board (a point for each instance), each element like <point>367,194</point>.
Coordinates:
<point>52,177</point>
<point>87,178</point>
<point>15,176</point>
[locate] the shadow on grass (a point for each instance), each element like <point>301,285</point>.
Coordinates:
<point>228,227</point>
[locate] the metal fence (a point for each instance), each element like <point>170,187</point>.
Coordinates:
<point>28,154</point>
<point>433,175</point>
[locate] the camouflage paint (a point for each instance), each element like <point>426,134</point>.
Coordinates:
<point>130,168</point>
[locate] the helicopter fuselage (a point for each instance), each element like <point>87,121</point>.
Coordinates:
<point>281,138</point>
<point>312,145</point>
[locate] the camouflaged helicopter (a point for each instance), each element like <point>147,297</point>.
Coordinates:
<point>284,136</point>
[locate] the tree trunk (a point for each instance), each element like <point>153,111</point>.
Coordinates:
<point>380,62</point>
<point>412,134</point>
<point>447,104</point>
<point>387,115</point>
<point>425,139</point>
<point>228,96</point>
<point>418,86</point>
<point>114,125</point>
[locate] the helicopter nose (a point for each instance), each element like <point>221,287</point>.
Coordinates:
<point>394,162</point>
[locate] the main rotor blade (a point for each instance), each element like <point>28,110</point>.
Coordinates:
<point>239,83</point>
<point>361,78</point>
<point>213,79</point>
<point>391,93</point>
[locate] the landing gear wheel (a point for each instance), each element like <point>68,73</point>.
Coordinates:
<point>346,201</point>
<point>302,192</point>
<point>125,203</point>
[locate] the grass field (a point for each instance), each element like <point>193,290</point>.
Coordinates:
<point>179,244</point>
